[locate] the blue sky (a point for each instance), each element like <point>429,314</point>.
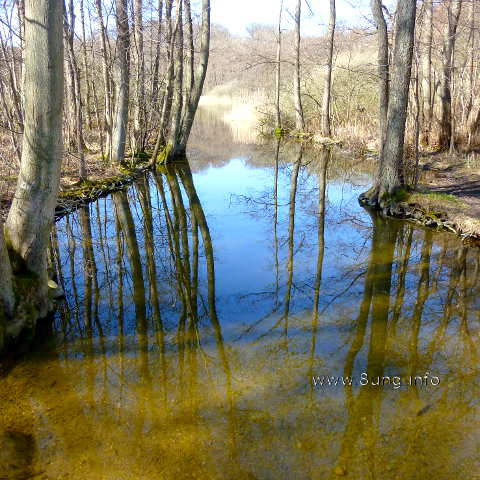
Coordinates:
<point>236,15</point>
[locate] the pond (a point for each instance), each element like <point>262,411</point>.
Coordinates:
<point>242,317</point>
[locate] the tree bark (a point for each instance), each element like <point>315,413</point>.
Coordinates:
<point>75,89</point>
<point>278,68</point>
<point>453,14</point>
<point>31,214</point>
<point>119,134</point>
<point>383,70</point>
<point>189,59</point>
<point>139,117</point>
<point>390,176</point>
<point>7,298</point>
<point>156,63</point>
<point>297,95</point>
<point>107,79</point>
<point>427,74</point>
<point>88,91</point>
<point>174,135</point>
<point>326,127</point>
<point>168,92</point>
<point>199,81</point>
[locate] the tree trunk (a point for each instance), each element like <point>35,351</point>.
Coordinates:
<point>390,175</point>
<point>31,214</point>
<point>427,75</point>
<point>75,89</point>
<point>278,69</point>
<point>119,134</point>
<point>297,96</point>
<point>174,135</point>
<point>88,91</point>
<point>189,59</point>
<point>326,127</point>
<point>156,63</point>
<point>139,117</point>
<point>383,70</point>
<point>7,298</point>
<point>199,80</point>
<point>107,80</point>
<point>168,93</point>
<point>24,297</point>
<point>453,13</point>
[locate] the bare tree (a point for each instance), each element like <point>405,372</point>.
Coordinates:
<point>297,94</point>
<point>383,70</point>
<point>278,68</point>
<point>428,91</point>
<point>75,91</point>
<point>327,91</point>
<point>454,8</point>
<point>139,116</point>
<point>119,131</point>
<point>107,78</point>
<point>186,92</point>
<point>174,134</point>
<point>199,80</point>
<point>390,175</point>
<point>30,218</point>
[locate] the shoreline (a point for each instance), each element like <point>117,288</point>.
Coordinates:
<point>427,206</point>
<point>415,213</point>
<point>70,200</point>
<point>431,205</point>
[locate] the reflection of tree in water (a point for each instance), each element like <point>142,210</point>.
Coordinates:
<point>154,376</point>
<point>365,444</point>
<point>409,280</point>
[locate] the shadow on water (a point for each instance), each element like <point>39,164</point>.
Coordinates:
<point>250,322</point>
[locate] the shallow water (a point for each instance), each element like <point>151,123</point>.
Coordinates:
<point>204,310</point>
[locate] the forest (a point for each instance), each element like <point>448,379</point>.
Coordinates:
<point>213,228</point>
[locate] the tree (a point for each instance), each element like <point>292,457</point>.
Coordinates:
<point>107,78</point>
<point>383,70</point>
<point>428,93</point>
<point>30,218</point>
<point>119,134</point>
<point>326,127</point>
<point>199,81</point>
<point>448,49</point>
<point>74,89</point>
<point>278,67</point>
<point>390,173</point>
<point>297,94</point>
<point>139,119</point>
<point>183,112</point>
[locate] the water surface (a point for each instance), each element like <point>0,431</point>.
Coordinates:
<point>206,304</point>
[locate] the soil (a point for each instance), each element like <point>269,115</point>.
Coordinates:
<point>456,176</point>
<point>103,178</point>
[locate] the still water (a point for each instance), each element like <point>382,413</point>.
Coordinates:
<point>207,305</point>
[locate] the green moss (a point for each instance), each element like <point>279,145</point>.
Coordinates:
<point>162,169</point>
<point>400,195</point>
<point>279,132</point>
<point>88,186</point>
<point>163,156</point>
